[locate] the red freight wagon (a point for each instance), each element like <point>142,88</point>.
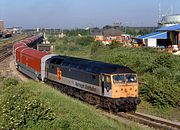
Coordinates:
<point>26,41</point>
<point>17,45</point>
<point>30,39</point>
<point>34,38</point>
<point>32,59</point>
<point>18,52</point>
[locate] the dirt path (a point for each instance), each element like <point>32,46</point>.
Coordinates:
<point>8,70</point>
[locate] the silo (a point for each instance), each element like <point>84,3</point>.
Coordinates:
<point>169,20</point>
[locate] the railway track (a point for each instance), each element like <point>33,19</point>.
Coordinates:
<point>5,52</point>
<point>151,121</point>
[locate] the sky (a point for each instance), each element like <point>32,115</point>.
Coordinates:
<point>83,13</point>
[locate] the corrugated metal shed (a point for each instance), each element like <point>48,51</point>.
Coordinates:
<point>157,35</point>
<point>170,28</point>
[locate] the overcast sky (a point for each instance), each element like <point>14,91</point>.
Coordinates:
<point>83,13</point>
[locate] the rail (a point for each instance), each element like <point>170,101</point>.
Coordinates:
<point>5,52</point>
<point>151,121</point>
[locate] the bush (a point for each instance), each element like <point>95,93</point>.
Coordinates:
<point>115,44</point>
<point>10,82</point>
<point>74,47</point>
<point>95,47</point>
<point>75,32</point>
<point>21,108</point>
<point>164,60</point>
<point>51,39</point>
<point>161,93</point>
<point>177,78</point>
<point>84,41</point>
<point>162,72</point>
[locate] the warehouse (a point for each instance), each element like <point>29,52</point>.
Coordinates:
<point>155,39</point>
<point>173,34</point>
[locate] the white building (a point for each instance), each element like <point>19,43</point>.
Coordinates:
<point>153,39</point>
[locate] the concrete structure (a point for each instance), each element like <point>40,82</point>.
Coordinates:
<point>1,25</point>
<point>45,47</point>
<point>169,20</point>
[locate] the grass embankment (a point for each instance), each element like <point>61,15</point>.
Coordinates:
<point>159,72</point>
<point>34,105</point>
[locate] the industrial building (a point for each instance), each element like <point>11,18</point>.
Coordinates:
<point>165,37</point>
<point>155,39</point>
<point>173,34</point>
<point>1,25</point>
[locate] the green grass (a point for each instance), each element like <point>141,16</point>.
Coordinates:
<point>69,46</point>
<point>49,109</point>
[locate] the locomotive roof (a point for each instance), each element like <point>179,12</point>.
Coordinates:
<point>92,66</point>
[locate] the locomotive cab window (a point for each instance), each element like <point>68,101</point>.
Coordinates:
<point>118,79</point>
<point>130,78</point>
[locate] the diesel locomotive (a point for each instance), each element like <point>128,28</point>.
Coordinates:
<point>109,86</point>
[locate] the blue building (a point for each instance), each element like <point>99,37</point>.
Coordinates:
<point>155,39</point>
<point>173,34</point>
<point>164,37</point>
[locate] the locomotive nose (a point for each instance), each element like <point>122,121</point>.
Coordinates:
<point>137,101</point>
<point>127,104</point>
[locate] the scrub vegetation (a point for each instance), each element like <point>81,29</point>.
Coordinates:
<point>159,72</point>
<point>33,105</point>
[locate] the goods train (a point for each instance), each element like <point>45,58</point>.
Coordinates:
<point>110,86</point>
